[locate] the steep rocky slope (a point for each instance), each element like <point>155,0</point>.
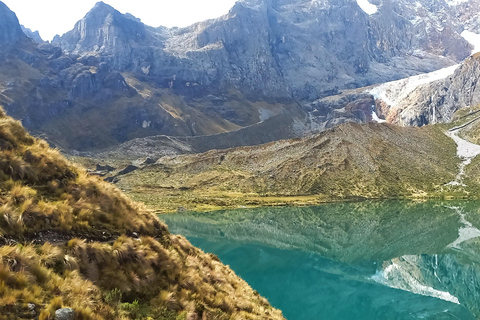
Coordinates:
<point>218,76</point>
<point>438,101</point>
<point>9,26</point>
<point>35,35</point>
<point>73,242</point>
<point>300,48</point>
<point>68,97</point>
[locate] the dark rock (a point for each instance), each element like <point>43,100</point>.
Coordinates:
<point>149,161</point>
<point>112,179</point>
<point>128,169</point>
<point>104,168</point>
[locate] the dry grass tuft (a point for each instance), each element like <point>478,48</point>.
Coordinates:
<point>137,271</point>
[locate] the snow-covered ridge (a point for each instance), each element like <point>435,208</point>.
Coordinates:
<point>367,7</point>
<point>394,92</point>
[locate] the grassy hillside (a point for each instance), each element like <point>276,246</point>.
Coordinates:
<point>347,162</point>
<point>71,240</point>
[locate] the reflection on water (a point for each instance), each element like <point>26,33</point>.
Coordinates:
<point>369,260</point>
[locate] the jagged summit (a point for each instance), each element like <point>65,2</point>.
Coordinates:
<point>35,35</point>
<point>103,29</point>
<point>10,30</point>
<point>265,59</point>
<point>101,9</point>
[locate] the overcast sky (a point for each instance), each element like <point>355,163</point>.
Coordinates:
<point>51,17</point>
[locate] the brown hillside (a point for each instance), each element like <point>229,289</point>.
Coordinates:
<point>113,259</point>
<point>349,161</point>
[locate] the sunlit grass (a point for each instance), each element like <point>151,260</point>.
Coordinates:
<point>113,258</point>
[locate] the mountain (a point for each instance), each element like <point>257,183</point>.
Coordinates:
<point>9,27</point>
<point>301,49</point>
<point>350,161</point>
<point>68,96</point>
<point>32,34</point>
<point>72,244</point>
<point>218,76</point>
<point>437,102</point>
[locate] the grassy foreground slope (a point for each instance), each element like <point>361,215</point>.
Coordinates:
<point>347,162</point>
<point>71,240</point>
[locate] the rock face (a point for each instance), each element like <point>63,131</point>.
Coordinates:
<point>222,75</point>
<point>300,49</point>
<point>437,102</point>
<point>10,31</point>
<point>32,34</point>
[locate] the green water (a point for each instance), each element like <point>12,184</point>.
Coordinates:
<point>369,260</point>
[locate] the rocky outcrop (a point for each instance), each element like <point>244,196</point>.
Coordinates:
<point>438,101</point>
<point>105,30</point>
<point>64,314</point>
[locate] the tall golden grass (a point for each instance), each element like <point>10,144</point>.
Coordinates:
<point>137,271</point>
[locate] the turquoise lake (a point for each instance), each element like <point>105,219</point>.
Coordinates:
<point>368,260</point>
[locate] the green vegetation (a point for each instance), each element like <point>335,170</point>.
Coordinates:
<point>349,162</point>
<point>96,251</point>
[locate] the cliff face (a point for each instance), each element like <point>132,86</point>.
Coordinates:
<point>264,60</point>
<point>436,102</point>
<point>304,49</point>
<point>10,31</point>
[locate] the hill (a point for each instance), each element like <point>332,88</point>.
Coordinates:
<point>71,243</point>
<point>351,161</point>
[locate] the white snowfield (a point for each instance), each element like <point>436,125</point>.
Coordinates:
<point>473,39</point>
<point>395,91</point>
<point>367,7</point>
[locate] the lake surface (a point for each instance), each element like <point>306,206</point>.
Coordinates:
<point>369,260</point>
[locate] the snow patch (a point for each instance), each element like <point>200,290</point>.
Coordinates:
<point>455,2</point>
<point>466,151</point>
<point>473,39</point>
<point>367,7</point>
<point>403,275</point>
<point>146,124</point>
<point>375,117</point>
<point>394,92</point>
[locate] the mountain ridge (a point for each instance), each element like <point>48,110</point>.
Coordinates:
<point>217,76</point>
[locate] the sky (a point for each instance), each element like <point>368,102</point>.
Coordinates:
<point>51,17</point>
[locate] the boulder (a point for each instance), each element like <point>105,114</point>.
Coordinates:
<point>65,314</point>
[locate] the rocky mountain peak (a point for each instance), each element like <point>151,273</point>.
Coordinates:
<point>35,35</point>
<point>100,10</point>
<point>10,30</point>
<point>103,29</point>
